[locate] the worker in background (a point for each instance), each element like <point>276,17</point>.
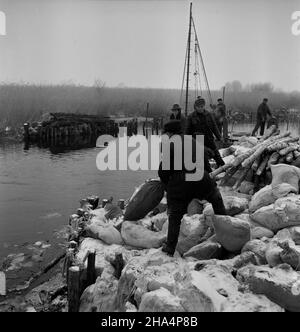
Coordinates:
<point>176,112</point>
<point>180,192</point>
<point>220,114</point>
<point>263,112</point>
<point>201,122</point>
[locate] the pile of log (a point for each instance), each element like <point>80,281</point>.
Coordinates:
<point>254,164</point>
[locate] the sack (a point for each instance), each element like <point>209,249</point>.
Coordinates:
<point>105,232</point>
<point>140,237</point>
<point>145,199</point>
<point>269,194</point>
<point>285,173</point>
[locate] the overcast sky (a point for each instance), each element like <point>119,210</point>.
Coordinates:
<point>142,43</point>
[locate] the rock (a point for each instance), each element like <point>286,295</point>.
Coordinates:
<point>235,205</point>
<point>285,212</point>
<point>198,295</point>
<point>150,271</point>
<point>104,253</point>
<point>159,220</point>
<point>218,273</point>
<point>192,230</point>
<point>205,250</point>
<point>290,254</point>
<point>279,284</point>
<point>112,211</point>
<point>260,232</point>
<point>141,237</point>
<point>248,302</point>
<point>269,194</point>
<point>231,233</point>
<point>246,187</point>
<point>282,173</point>
<point>195,207</point>
<point>245,258</point>
<point>160,300</point>
<point>101,296</point>
<point>105,232</point>
<point>259,248</point>
<point>129,307</point>
<point>295,234</point>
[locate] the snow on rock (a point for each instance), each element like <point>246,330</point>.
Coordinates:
<point>280,284</point>
<point>160,300</point>
<point>138,236</point>
<point>101,296</point>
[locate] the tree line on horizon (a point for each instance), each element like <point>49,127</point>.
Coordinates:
<point>21,103</point>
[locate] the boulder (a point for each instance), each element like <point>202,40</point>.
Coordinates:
<point>140,237</point>
<point>285,212</point>
<point>205,250</point>
<point>282,173</point>
<point>269,194</point>
<point>295,234</point>
<point>197,294</point>
<point>192,230</point>
<point>129,307</point>
<point>159,220</point>
<point>261,232</point>
<point>105,232</point>
<point>101,296</point>
<point>104,253</point>
<point>259,248</point>
<point>232,233</point>
<point>234,205</point>
<point>279,284</point>
<point>246,187</point>
<point>160,300</point>
<point>195,207</point>
<point>235,299</point>
<point>290,254</point>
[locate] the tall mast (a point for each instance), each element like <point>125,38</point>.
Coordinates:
<point>188,62</point>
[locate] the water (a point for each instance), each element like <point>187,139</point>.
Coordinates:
<point>40,188</point>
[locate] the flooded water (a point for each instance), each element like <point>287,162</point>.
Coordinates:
<point>40,188</point>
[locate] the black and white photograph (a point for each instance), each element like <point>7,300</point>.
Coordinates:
<point>149,158</point>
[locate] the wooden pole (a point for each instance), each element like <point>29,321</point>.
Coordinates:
<point>91,269</point>
<point>74,288</point>
<point>188,63</point>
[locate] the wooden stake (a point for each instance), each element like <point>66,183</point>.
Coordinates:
<point>74,288</point>
<point>91,269</point>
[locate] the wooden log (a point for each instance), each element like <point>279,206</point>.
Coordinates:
<point>241,178</point>
<point>287,150</point>
<point>91,269</point>
<point>269,132</point>
<point>281,144</point>
<point>256,163</point>
<point>263,165</point>
<point>74,276</point>
<point>219,170</point>
<point>230,172</point>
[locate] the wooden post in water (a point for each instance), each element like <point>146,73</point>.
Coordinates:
<point>26,130</point>
<point>91,269</point>
<point>121,204</point>
<point>74,288</point>
<point>104,201</point>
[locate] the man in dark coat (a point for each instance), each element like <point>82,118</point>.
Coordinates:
<point>201,122</point>
<point>180,192</point>
<point>220,114</point>
<point>176,112</point>
<point>263,112</point>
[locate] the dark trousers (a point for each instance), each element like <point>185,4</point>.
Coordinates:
<point>218,158</point>
<point>259,123</point>
<point>177,208</point>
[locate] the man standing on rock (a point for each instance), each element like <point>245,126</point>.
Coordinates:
<point>201,122</point>
<point>263,112</point>
<point>180,192</point>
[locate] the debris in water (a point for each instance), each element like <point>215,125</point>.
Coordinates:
<point>51,215</point>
